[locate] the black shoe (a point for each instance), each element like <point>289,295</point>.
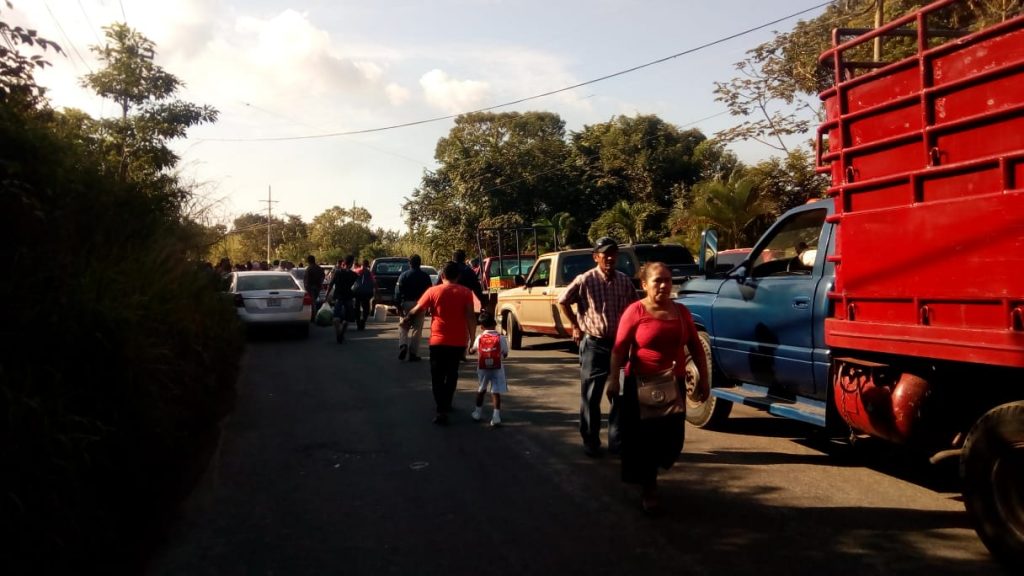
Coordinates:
<point>441,419</point>
<point>402,350</point>
<point>414,358</point>
<point>614,449</point>
<point>593,450</point>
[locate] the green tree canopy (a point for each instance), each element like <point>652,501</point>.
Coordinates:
<point>135,145</point>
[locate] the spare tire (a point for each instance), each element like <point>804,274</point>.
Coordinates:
<point>992,470</point>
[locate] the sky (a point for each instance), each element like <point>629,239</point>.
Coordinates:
<point>282,73</point>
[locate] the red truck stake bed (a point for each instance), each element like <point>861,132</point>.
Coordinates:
<point>927,163</point>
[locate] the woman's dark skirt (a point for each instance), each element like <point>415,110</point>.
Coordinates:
<point>647,444</point>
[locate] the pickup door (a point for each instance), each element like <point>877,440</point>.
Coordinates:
<point>538,309</point>
<point>768,315</point>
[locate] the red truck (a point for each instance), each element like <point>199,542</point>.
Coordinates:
<point>904,319</point>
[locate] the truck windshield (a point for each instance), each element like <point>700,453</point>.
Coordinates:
<point>510,266</point>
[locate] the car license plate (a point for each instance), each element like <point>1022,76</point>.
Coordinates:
<point>273,302</point>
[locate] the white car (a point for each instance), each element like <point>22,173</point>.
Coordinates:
<point>270,298</point>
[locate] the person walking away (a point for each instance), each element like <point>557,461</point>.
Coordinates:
<point>469,278</point>
<point>491,348</point>
<point>341,291</point>
<point>601,295</point>
<point>312,282</point>
<point>653,333</point>
<point>364,288</point>
<point>412,283</point>
<point>452,326</point>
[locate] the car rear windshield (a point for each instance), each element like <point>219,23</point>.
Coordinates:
<point>390,267</point>
<point>667,254</point>
<point>275,282</point>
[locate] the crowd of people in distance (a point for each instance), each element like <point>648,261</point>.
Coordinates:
<point>625,341</point>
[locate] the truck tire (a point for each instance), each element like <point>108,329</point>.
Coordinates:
<point>712,412</point>
<point>513,331</point>
<point>992,471</point>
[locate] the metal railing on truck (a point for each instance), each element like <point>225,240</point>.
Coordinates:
<point>926,156</point>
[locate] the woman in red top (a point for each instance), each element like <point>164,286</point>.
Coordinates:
<point>452,328</point>
<point>653,333</point>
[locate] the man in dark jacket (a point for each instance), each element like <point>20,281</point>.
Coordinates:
<point>468,278</point>
<point>411,285</point>
<point>312,282</point>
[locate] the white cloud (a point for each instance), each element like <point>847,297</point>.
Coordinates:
<point>397,94</point>
<point>453,95</point>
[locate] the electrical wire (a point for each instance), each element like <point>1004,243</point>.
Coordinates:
<point>527,98</point>
<point>66,37</point>
<point>89,22</point>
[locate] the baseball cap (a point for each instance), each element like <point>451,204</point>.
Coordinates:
<point>604,244</point>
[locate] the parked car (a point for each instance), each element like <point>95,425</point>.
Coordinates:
<point>434,276</point>
<point>386,270</point>
<point>300,276</point>
<point>270,298</point>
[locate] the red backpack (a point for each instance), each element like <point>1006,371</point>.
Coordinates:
<point>489,351</point>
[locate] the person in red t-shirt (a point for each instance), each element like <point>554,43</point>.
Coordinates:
<point>452,327</point>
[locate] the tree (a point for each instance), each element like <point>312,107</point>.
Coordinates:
<point>136,143</point>
<point>788,182</point>
<point>627,220</point>
<point>776,77</point>
<point>492,165</point>
<point>335,233</point>
<point>732,206</point>
<point>17,82</point>
<point>637,159</point>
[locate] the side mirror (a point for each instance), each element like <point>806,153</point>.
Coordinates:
<point>708,256</point>
<point>519,280</point>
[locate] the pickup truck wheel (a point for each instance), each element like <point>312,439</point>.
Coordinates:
<point>712,411</point>
<point>513,331</point>
<point>992,470</point>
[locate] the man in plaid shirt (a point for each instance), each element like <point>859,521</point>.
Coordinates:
<point>601,296</point>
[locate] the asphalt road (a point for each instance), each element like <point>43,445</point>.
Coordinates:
<point>330,465</point>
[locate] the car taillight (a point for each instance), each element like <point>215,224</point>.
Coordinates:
<point>238,301</point>
<point>307,299</point>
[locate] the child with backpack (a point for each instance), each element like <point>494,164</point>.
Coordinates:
<point>491,347</point>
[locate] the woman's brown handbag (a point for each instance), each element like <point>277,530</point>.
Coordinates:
<point>659,395</point>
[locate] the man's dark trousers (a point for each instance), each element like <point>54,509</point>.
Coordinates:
<point>444,374</point>
<point>595,362</point>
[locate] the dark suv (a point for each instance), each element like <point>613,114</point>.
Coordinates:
<point>386,270</point>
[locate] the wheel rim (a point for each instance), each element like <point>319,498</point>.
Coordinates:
<point>1007,478</point>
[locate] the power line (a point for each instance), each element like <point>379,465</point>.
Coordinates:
<point>527,98</point>
<point>123,16</point>
<point>89,22</point>
<point>66,37</point>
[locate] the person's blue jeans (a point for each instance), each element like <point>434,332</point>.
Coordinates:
<point>595,362</point>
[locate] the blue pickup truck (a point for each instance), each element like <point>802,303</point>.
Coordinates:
<point>760,321</point>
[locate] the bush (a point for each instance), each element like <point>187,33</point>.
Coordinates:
<point>121,358</point>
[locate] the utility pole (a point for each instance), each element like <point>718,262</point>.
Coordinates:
<point>879,17</point>
<point>270,204</point>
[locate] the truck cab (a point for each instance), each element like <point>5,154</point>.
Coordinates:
<point>757,318</point>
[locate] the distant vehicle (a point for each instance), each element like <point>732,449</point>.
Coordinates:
<point>386,270</point>
<point>270,298</point>
<point>499,273</point>
<point>531,307</point>
<point>300,275</point>
<point>728,259</point>
<point>434,276</point>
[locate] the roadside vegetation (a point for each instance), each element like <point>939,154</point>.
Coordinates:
<point>119,356</point>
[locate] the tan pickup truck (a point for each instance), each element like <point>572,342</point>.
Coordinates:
<point>532,308</point>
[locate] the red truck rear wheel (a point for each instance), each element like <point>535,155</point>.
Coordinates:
<point>992,468</point>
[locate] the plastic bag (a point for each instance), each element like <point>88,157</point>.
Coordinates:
<point>325,316</point>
